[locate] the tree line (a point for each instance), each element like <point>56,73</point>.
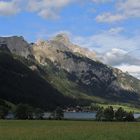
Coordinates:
<point>109,114</point>
<point>25,111</point>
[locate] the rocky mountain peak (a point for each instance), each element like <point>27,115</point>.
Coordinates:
<point>60,41</point>
<point>16,44</point>
<point>63,41</point>
<point>63,38</point>
<point>42,43</point>
<point>56,48</point>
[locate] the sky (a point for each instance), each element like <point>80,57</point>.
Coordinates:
<point>111,28</point>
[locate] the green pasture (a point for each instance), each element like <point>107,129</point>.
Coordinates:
<point>68,130</point>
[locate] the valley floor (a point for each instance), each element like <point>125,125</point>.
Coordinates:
<point>68,130</point>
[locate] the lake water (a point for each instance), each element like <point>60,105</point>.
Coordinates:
<point>81,115</point>
<point>73,115</point>
<point>136,115</point>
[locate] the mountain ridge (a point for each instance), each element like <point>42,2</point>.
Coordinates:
<point>77,74</point>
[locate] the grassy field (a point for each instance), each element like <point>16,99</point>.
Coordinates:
<point>125,107</point>
<point>68,130</point>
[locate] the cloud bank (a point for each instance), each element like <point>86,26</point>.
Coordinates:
<point>8,8</point>
<point>48,9</point>
<point>124,9</point>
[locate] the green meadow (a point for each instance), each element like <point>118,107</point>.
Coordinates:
<point>126,107</point>
<point>68,130</point>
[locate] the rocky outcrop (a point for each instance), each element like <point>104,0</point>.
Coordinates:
<point>55,49</point>
<point>17,45</point>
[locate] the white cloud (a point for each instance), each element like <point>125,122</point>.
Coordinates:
<point>124,9</point>
<point>9,7</point>
<point>129,7</point>
<point>113,57</point>
<point>132,69</point>
<point>107,40</point>
<point>116,30</point>
<point>109,17</point>
<point>51,8</point>
<point>101,1</point>
<point>44,8</point>
<point>47,8</point>
<point>117,57</point>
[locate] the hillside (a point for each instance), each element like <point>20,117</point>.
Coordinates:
<point>19,84</point>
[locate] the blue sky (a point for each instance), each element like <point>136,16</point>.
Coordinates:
<point>109,27</point>
<point>78,18</point>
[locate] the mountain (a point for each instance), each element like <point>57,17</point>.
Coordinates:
<point>60,43</point>
<point>20,84</point>
<point>84,75</point>
<point>58,72</point>
<point>63,39</point>
<point>17,45</point>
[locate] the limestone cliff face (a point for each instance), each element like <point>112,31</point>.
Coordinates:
<point>16,45</point>
<point>63,39</point>
<point>55,49</point>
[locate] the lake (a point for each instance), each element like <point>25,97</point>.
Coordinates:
<point>73,115</point>
<point>82,115</point>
